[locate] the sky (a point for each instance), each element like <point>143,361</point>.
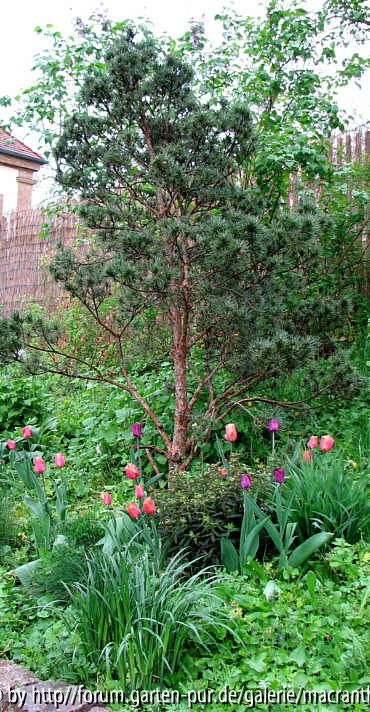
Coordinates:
<point>19,43</point>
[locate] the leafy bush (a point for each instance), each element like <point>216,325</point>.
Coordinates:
<point>22,400</point>
<point>324,496</point>
<point>139,621</point>
<point>203,508</point>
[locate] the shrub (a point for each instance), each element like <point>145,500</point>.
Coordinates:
<point>22,400</point>
<point>138,621</point>
<point>203,508</point>
<point>324,496</point>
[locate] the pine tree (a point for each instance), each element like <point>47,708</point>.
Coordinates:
<point>179,230</point>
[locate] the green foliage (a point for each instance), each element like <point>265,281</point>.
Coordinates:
<point>136,622</point>
<point>312,634</point>
<point>324,495</point>
<point>22,400</point>
<point>7,525</point>
<point>234,560</point>
<point>83,530</point>
<point>282,534</point>
<point>57,571</point>
<point>203,507</point>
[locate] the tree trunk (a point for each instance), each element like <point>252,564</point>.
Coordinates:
<point>182,413</point>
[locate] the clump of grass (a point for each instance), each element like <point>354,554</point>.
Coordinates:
<point>137,621</point>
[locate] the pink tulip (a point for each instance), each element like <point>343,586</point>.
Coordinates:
<point>306,456</point>
<point>139,491</point>
<point>274,425</point>
<point>27,432</point>
<point>11,444</point>
<point>313,442</point>
<point>279,475</point>
<point>133,510</point>
<point>59,459</point>
<point>326,442</point>
<point>39,465</point>
<point>149,506</point>
<point>132,471</point>
<point>246,482</point>
<point>223,471</point>
<point>137,430</point>
<point>231,433</point>
<point>107,498</point>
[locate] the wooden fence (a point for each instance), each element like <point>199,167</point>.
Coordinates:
<point>24,254</point>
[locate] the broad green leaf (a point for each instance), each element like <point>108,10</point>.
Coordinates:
<point>304,551</point>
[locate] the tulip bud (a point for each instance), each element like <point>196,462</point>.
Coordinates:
<point>137,430</point>
<point>133,510</point>
<point>231,433</point>
<point>11,444</point>
<point>326,442</point>
<point>59,459</point>
<point>132,471</point>
<point>246,481</point>
<point>313,442</point>
<point>279,475</point>
<point>149,506</point>
<point>139,491</point>
<point>306,456</point>
<point>107,498</point>
<point>274,425</point>
<point>39,465</point>
<point>27,432</point>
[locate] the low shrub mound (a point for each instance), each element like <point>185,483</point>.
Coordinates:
<point>198,511</point>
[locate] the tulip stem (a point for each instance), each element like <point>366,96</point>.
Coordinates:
<point>273,442</point>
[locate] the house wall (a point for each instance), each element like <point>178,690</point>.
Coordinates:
<point>9,187</point>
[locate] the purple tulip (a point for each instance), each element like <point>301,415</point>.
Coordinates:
<point>246,482</point>
<point>279,475</point>
<point>274,425</point>
<point>137,430</point>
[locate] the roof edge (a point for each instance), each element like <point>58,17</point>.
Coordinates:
<point>31,159</point>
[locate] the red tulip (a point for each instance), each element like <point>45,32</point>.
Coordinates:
<point>107,498</point>
<point>27,432</point>
<point>59,459</point>
<point>39,465</point>
<point>132,471</point>
<point>313,442</point>
<point>133,510</point>
<point>11,444</point>
<point>306,456</point>
<point>139,491</point>
<point>326,442</point>
<point>231,433</point>
<point>137,430</point>
<point>149,506</point>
